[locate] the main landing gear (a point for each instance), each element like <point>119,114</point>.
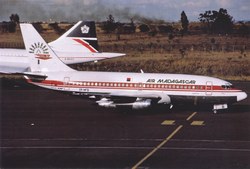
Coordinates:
<point>219,107</point>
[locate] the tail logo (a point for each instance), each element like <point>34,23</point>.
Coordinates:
<point>85,29</point>
<point>40,50</point>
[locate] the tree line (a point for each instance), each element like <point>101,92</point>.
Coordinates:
<point>211,22</point>
<point>10,26</point>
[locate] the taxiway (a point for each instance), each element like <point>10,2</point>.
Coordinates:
<point>40,128</point>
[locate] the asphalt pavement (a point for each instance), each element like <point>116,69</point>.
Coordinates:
<point>40,128</point>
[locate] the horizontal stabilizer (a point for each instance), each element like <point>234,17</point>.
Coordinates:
<point>32,76</point>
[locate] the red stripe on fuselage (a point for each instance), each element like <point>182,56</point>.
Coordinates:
<point>136,86</point>
<point>82,42</point>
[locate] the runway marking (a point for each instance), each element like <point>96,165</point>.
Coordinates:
<point>74,147</point>
<point>197,123</point>
<point>206,149</point>
<point>212,141</point>
<point>192,115</point>
<point>133,148</point>
<point>126,139</point>
<point>194,123</point>
<point>77,139</point>
<point>168,122</point>
<point>157,148</point>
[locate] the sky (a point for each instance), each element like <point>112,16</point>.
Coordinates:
<point>122,10</point>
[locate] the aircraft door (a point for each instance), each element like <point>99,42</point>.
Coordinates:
<point>209,88</point>
<point>66,80</point>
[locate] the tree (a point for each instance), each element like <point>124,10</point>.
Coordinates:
<point>12,27</point>
<point>223,22</point>
<point>56,28</point>
<point>206,18</point>
<point>132,26</point>
<point>110,25</point>
<point>14,21</point>
<point>244,30</point>
<point>144,28</point>
<point>184,22</point>
<point>217,21</point>
<point>14,18</point>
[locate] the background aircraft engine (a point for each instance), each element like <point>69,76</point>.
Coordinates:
<point>142,104</point>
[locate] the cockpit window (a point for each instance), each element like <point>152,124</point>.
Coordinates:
<point>227,86</point>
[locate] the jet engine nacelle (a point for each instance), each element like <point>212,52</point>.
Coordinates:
<point>108,104</point>
<point>141,104</point>
<point>104,102</point>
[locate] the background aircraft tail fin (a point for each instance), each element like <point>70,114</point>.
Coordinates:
<point>41,57</point>
<point>81,37</point>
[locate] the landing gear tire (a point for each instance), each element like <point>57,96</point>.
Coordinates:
<point>215,111</point>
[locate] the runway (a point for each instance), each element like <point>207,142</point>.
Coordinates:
<point>47,129</point>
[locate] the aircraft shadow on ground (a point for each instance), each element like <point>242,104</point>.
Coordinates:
<point>164,109</point>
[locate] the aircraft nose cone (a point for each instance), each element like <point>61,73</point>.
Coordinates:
<point>241,96</point>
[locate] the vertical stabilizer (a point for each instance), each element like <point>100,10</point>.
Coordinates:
<point>41,58</point>
<point>80,38</point>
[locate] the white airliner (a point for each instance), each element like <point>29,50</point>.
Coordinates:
<point>79,44</point>
<point>145,89</point>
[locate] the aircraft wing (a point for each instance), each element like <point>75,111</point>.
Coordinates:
<point>160,96</point>
<point>136,99</point>
<point>136,94</point>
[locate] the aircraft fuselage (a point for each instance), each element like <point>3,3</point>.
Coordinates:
<point>179,87</point>
<point>16,60</point>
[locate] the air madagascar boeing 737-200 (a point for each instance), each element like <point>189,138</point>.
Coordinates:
<point>47,71</point>
<point>79,44</point>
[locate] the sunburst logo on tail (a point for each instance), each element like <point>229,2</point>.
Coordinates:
<point>40,50</point>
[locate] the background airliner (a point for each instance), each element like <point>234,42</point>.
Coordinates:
<point>79,44</point>
<point>142,89</point>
